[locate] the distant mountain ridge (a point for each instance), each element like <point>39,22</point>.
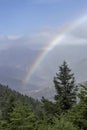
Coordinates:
<point>15,62</point>
<point>6,93</point>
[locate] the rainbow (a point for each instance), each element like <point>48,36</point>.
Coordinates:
<point>51,45</point>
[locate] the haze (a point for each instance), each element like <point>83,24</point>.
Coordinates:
<point>27,27</point>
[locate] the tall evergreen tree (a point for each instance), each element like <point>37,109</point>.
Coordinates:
<point>64,83</point>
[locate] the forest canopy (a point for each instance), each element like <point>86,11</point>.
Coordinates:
<point>20,112</point>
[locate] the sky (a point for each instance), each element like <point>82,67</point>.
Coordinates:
<point>24,17</point>
<point>28,28</point>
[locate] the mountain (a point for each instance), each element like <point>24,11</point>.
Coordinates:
<point>6,94</point>
<point>16,61</point>
<point>75,55</point>
<point>80,70</point>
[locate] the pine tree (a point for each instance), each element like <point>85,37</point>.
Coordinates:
<point>83,92</point>
<point>64,83</point>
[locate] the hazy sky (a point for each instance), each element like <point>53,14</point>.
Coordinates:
<point>28,26</point>
<point>21,17</point>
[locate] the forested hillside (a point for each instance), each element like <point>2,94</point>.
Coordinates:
<point>20,112</point>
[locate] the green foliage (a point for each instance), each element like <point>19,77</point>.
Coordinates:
<point>83,92</point>
<point>19,112</point>
<point>22,118</point>
<point>6,93</point>
<point>78,115</point>
<point>66,89</point>
<point>50,107</point>
<point>8,108</point>
<point>43,124</point>
<point>63,124</point>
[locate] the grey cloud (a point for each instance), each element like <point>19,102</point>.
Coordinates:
<point>18,53</point>
<point>40,39</point>
<point>37,40</point>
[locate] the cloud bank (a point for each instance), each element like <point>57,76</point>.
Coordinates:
<point>40,39</point>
